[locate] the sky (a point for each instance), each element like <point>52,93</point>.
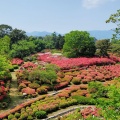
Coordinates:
<point>60,16</point>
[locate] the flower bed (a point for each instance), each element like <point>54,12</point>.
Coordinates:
<point>92,73</point>
<point>19,107</point>
<point>65,63</point>
<point>27,109</point>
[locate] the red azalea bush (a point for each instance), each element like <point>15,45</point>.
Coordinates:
<point>90,111</point>
<point>94,73</point>
<point>61,85</point>
<point>65,63</point>
<point>28,65</point>
<point>81,62</point>
<point>48,57</point>
<point>28,90</point>
<point>16,61</point>
<point>63,94</point>
<point>114,58</point>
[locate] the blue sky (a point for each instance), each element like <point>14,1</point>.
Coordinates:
<point>61,16</point>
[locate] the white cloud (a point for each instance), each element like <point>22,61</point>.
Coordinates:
<point>94,3</point>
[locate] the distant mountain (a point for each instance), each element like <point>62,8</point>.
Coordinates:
<point>98,34</point>
<point>101,34</point>
<point>37,33</point>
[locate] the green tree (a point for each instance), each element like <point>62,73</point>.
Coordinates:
<point>22,49</point>
<point>5,46</point>
<point>60,42</point>
<point>115,47</point>
<point>5,30</point>
<point>97,89</point>
<point>79,43</point>
<point>17,35</point>
<point>40,45</point>
<point>102,47</point>
<point>4,66</point>
<point>48,42</point>
<point>115,18</point>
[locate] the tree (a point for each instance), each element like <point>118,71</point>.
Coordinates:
<point>22,49</point>
<point>40,45</point>
<point>59,42</point>
<point>4,66</point>
<point>102,47</point>
<point>115,18</point>
<point>4,45</point>
<point>48,42</point>
<point>5,30</point>
<point>115,47</point>
<point>79,43</point>
<point>17,35</point>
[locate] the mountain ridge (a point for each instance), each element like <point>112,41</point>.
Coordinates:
<point>98,34</point>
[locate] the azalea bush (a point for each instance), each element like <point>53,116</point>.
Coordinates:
<point>65,63</point>
<point>16,61</point>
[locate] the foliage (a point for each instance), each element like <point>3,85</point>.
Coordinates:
<point>102,47</point>
<point>48,76</point>
<point>78,43</point>
<point>22,49</point>
<point>17,35</point>
<point>40,45</point>
<point>5,30</point>
<point>10,116</point>
<point>34,75</point>
<point>44,75</point>
<point>42,90</point>
<point>97,89</point>
<point>54,41</point>
<point>115,47</point>
<point>115,18</point>
<point>111,106</point>
<point>40,114</point>
<point>30,58</point>
<point>4,67</point>
<point>5,46</point>
<point>34,85</point>
<point>84,100</point>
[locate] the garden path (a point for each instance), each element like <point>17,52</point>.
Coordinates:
<point>14,94</point>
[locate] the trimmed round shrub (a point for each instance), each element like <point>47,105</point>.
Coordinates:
<point>42,90</point>
<point>10,116</point>
<point>21,86</point>
<point>23,109</point>
<point>40,114</point>
<point>14,118</point>
<point>34,85</point>
<point>17,115</point>
<point>75,81</point>
<point>24,116</point>
<point>63,104</point>
<point>30,117</point>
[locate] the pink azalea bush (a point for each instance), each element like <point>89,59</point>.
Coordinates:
<point>65,63</point>
<point>16,61</point>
